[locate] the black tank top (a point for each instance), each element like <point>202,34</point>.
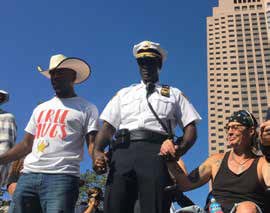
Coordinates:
<point>230,188</point>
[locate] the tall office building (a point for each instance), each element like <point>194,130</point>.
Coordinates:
<point>238,45</point>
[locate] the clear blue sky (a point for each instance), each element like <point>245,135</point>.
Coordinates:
<point>103,33</point>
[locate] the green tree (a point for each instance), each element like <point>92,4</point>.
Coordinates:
<point>91,179</point>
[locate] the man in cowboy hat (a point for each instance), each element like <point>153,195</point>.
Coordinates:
<point>54,141</point>
<point>8,133</point>
<point>240,178</point>
<point>144,116</point>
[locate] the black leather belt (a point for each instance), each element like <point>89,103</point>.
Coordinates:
<point>147,135</point>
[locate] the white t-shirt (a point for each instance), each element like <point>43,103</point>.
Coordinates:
<point>59,127</point>
<point>129,109</point>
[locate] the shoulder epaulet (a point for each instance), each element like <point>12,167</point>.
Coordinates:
<point>165,90</point>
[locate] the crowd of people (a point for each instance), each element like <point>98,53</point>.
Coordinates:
<point>143,159</point>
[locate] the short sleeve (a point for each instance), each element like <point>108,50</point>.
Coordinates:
<point>185,112</point>
<point>92,121</point>
<point>112,113</point>
<point>31,125</point>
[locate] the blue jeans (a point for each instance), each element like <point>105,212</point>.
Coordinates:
<point>11,207</point>
<point>47,193</point>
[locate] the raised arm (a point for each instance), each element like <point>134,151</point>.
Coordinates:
<point>198,177</point>
<point>19,151</point>
<point>181,163</point>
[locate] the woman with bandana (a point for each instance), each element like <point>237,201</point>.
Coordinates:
<point>239,177</point>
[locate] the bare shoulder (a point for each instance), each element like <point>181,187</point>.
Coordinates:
<point>263,163</point>
<point>217,156</point>
<point>216,159</point>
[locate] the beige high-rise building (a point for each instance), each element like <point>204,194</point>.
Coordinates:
<point>238,48</point>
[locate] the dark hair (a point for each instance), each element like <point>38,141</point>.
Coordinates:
<point>95,192</point>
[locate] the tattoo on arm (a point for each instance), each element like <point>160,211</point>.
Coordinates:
<point>194,176</point>
<point>218,162</point>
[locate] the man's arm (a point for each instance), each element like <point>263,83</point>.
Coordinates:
<point>19,151</point>
<point>103,139</point>
<point>183,166</point>
<point>189,138</point>
<point>196,178</point>
<point>90,141</point>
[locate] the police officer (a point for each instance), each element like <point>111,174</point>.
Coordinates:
<point>144,116</point>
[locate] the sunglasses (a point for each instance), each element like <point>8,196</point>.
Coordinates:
<point>236,127</point>
<point>148,61</point>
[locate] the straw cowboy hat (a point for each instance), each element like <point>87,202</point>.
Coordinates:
<point>81,67</point>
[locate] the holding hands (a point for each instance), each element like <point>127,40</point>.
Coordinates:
<point>100,161</point>
<point>169,150</point>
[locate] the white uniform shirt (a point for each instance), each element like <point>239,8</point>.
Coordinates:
<point>129,109</point>
<point>59,126</point>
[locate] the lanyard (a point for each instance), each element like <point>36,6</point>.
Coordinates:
<point>150,87</point>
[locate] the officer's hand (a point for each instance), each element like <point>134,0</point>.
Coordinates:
<point>168,148</point>
<point>265,133</point>
<point>100,162</point>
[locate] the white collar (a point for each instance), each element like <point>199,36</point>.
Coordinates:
<point>144,85</point>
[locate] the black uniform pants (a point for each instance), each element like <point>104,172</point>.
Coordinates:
<point>137,171</point>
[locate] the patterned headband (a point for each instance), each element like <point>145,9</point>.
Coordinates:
<point>244,117</point>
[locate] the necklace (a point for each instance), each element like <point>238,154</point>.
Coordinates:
<point>241,165</point>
